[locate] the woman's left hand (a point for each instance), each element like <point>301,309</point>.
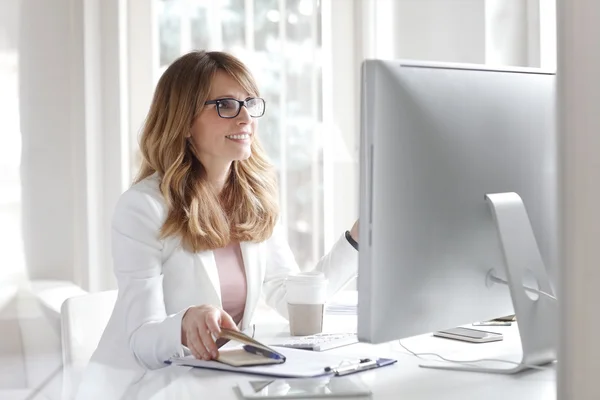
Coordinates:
<point>354,231</point>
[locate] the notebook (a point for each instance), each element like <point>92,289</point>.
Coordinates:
<point>251,353</point>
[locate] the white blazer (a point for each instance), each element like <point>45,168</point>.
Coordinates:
<point>158,280</point>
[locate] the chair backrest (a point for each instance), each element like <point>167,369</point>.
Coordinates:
<point>83,319</point>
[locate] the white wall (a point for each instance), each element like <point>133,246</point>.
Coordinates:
<point>75,158</point>
<point>440,30</point>
<point>9,24</point>
<point>47,83</point>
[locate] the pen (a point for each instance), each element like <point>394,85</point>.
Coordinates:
<point>262,352</point>
<point>364,364</point>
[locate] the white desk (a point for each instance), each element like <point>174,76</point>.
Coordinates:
<point>403,380</point>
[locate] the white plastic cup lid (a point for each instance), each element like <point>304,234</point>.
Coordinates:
<point>306,288</point>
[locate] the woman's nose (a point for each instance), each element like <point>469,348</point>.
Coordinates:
<point>244,115</point>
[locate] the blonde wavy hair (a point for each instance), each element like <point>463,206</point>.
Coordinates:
<point>246,209</point>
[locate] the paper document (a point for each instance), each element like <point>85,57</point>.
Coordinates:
<point>343,303</point>
<point>299,364</point>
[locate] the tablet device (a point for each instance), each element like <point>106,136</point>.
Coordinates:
<point>325,387</point>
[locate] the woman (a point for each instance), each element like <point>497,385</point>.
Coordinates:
<point>195,239</point>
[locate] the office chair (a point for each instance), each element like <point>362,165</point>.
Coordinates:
<point>83,319</point>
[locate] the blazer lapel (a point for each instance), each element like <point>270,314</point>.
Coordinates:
<point>252,266</point>
<point>208,263</point>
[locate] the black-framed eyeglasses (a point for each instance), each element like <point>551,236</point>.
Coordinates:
<point>230,108</point>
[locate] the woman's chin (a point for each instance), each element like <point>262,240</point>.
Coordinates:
<point>241,156</point>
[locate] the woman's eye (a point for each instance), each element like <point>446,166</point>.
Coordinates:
<point>227,104</point>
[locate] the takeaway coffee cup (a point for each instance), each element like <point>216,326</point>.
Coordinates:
<point>306,294</point>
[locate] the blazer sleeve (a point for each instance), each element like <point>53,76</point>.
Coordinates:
<point>153,335</point>
<point>340,265</point>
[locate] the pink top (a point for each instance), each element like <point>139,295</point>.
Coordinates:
<point>233,280</point>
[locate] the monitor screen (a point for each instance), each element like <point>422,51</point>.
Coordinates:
<point>435,139</point>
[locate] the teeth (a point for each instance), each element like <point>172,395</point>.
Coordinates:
<point>238,137</point>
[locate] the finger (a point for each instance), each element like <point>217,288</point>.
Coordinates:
<point>227,321</point>
<point>212,319</point>
<point>195,345</point>
<point>208,342</point>
<point>204,339</point>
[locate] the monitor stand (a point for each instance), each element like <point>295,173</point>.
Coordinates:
<point>537,316</point>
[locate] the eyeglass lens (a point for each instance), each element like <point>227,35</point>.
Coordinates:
<point>230,108</point>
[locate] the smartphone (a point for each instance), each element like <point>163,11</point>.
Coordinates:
<point>469,335</point>
<point>325,387</point>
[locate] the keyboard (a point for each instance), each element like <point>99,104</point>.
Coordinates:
<point>321,341</point>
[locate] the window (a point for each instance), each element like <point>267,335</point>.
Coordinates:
<point>280,41</point>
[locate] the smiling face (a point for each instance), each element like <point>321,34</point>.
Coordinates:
<point>219,141</point>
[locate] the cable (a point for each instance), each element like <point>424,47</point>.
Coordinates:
<point>468,362</point>
<point>527,288</point>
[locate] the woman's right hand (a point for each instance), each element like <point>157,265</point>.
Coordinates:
<point>198,326</point>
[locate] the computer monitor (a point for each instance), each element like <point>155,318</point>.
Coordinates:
<point>435,140</point>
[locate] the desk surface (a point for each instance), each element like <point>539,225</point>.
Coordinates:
<point>403,380</point>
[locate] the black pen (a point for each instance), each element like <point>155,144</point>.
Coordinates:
<point>263,352</point>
